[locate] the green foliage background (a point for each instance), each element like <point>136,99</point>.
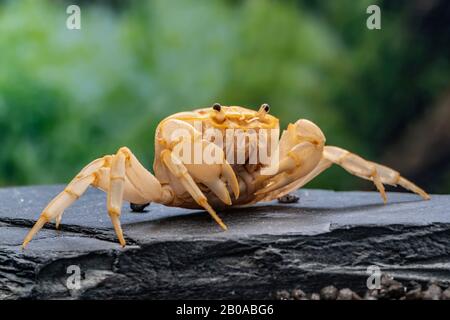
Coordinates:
<point>67,97</point>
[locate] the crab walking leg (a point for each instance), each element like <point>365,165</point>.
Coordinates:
<point>379,174</point>
<point>143,181</point>
<point>115,193</point>
<point>140,185</point>
<point>130,193</point>
<point>102,182</point>
<point>125,166</point>
<point>99,173</point>
<point>177,168</point>
<point>72,192</point>
<point>355,165</point>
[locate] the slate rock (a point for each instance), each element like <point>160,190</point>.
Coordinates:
<point>326,238</point>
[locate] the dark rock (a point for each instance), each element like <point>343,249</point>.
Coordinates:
<point>314,296</point>
<point>138,207</point>
<point>283,295</point>
<point>446,294</point>
<point>387,281</point>
<point>288,198</point>
<point>345,294</point>
<point>329,293</point>
<point>414,294</point>
<point>389,289</point>
<point>298,294</point>
<point>433,292</point>
<point>414,285</point>
<point>326,238</point>
<point>356,296</point>
<point>396,290</point>
<point>371,295</point>
<point>392,290</point>
<point>433,281</point>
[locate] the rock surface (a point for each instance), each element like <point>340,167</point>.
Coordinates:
<point>326,238</point>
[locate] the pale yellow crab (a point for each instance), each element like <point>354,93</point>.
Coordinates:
<point>182,181</point>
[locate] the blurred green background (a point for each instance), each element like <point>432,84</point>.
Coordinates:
<point>69,96</point>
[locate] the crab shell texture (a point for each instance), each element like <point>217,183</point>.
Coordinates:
<point>248,174</point>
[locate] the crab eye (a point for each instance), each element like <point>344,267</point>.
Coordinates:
<point>218,114</point>
<point>263,110</point>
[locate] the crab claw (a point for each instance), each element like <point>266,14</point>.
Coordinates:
<point>214,175</point>
<point>275,183</point>
<point>230,177</point>
<point>294,166</point>
<point>220,190</point>
<point>210,175</point>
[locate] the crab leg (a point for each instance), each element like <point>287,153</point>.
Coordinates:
<point>115,193</point>
<point>354,164</point>
<point>379,174</point>
<point>72,192</point>
<point>298,166</point>
<point>102,182</point>
<point>178,169</point>
<point>130,193</point>
<point>143,181</point>
<point>121,176</point>
<point>124,165</point>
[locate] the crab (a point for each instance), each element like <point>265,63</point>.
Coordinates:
<point>300,155</point>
